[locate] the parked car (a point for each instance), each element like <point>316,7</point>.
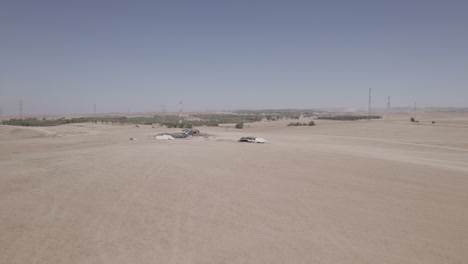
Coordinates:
<point>252,139</point>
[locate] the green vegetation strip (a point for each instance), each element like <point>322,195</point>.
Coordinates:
<point>168,121</point>
<point>348,117</point>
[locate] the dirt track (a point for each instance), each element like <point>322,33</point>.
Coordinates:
<point>383,191</point>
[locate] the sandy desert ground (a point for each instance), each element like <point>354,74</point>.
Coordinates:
<point>381,191</point>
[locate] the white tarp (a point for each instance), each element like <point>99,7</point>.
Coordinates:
<point>164,137</point>
<point>260,140</point>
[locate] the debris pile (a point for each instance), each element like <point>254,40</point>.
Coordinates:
<point>186,133</point>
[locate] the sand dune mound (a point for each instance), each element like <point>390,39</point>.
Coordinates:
<point>17,132</point>
<point>12,132</point>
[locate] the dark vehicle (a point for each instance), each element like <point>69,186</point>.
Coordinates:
<point>247,139</point>
<point>252,139</point>
<point>191,131</point>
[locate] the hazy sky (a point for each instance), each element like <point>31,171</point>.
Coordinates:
<point>64,56</point>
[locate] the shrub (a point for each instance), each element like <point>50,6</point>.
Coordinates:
<point>297,124</point>
<point>412,120</point>
<point>311,123</point>
<point>240,125</point>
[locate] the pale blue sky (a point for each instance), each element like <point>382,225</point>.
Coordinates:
<point>64,56</point>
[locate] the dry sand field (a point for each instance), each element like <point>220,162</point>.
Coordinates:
<point>381,191</point>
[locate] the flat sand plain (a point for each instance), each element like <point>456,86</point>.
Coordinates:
<point>381,191</point>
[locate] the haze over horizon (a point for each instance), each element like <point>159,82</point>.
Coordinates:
<point>63,57</point>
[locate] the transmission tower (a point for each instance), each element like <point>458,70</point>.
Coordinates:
<point>180,111</point>
<point>388,104</point>
<point>163,110</point>
<point>369,106</point>
<point>21,108</point>
<point>414,110</point>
